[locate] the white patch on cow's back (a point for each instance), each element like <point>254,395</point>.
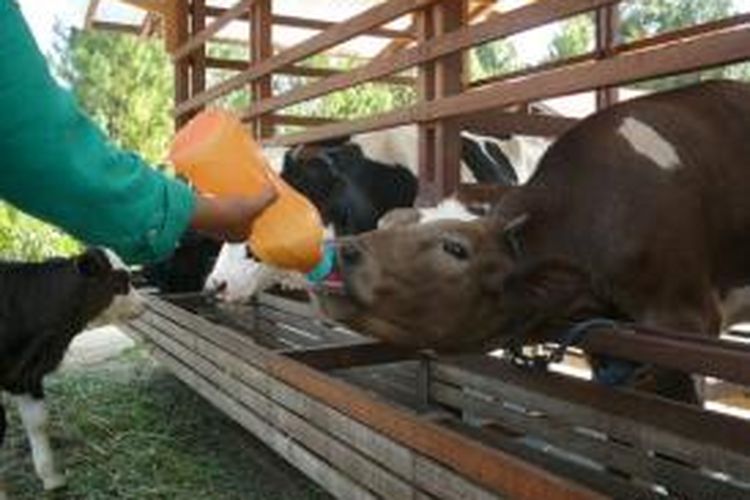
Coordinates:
<point>450,209</point>
<point>646,141</point>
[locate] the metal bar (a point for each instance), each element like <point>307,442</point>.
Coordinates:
<point>261,49</point>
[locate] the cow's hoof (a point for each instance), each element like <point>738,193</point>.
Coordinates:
<point>54,482</point>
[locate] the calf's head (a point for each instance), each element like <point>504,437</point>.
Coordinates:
<point>451,285</point>
<point>109,296</point>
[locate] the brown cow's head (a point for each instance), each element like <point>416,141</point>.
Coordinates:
<point>449,284</point>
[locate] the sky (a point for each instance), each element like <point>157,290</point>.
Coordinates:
<point>42,15</point>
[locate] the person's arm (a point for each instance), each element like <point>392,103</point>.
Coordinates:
<point>229,217</point>
<point>56,164</point>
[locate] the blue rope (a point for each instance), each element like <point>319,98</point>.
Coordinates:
<point>609,371</point>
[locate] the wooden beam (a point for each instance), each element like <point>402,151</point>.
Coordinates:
<point>335,35</point>
<point>508,24</point>
<point>181,68</point>
<point>301,121</point>
<point>261,49</point>
<point>630,65</point>
<point>90,14</point>
<point>130,29</point>
<point>199,39</point>
<point>317,25</point>
<point>607,29</point>
<point>449,80</point>
<point>198,56</point>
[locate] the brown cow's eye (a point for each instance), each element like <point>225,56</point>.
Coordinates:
<point>456,249</point>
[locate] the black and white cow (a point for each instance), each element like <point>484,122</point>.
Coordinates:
<point>42,307</point>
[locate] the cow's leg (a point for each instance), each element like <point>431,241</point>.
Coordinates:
<point>704,319</point>
<point>35,419</point>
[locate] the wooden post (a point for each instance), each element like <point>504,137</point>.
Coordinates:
<point>182,67</point>
<point>261,48</point>
<point>449,80</point>
<point>607,29</point>
<point>440,142</point>
<point>426,132</point>
<point>198,57</point>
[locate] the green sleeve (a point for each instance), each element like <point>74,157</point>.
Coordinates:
<point>56,164</point>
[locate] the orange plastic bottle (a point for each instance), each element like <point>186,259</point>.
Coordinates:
<point>216,152</point>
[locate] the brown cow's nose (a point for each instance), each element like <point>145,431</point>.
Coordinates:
<point>349,254</point>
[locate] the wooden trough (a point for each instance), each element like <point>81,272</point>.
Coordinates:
<point>368,421</point>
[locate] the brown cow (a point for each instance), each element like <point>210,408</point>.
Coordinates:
<point>640,212</point>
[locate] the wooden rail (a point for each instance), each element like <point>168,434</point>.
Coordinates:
<point>641,63</point>
<point>335,35</point>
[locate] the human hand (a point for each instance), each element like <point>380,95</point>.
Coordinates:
<point>229,218</point>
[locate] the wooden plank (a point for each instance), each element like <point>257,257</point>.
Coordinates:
<point>682,480</point>
<point>680,431</point>
<point>317,24</point>
<point>685,352</point>
<point>198,57</point>
<point>445,484</point>
<point>261,49</point>
<point>394,457</point>
<point>615,486</point>
<point>426,149</point>
<point>491,469</point>
<point>708,50</point>
<point>448,17</point>
<point>346,356</point>
<point>181,68</point>
<point>434,47</point>
<point>130,29</point>
<point>607,30</point>
<point>91,9</point>
<point>311,465</point>
<point>336,34</point>
<point>328,447</point>
<point>199,39</point>
<point>300,121</point>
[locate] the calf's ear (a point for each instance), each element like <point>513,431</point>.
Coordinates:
<point>93,262</point>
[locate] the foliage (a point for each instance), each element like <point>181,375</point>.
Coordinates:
<point>492,59</point>
<point>644,18</point>
<point>125,84</point>
<point>23,238</point>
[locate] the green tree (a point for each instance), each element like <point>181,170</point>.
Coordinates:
<point>576,37</point>
<point>492,59</point>
<point>644,18</point>
<point>125,84</point>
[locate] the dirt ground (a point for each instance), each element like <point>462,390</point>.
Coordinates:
<point>123,427</point>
